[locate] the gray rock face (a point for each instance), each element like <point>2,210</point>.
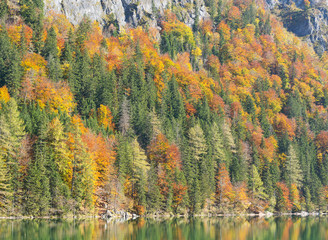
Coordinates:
<point>131,12</point>
<point>309,24</point>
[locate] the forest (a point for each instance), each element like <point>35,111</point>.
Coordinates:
<point>227,116</point>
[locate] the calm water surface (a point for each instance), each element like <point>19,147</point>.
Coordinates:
<point>195,228</point>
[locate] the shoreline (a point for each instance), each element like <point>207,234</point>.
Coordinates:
<point>167,216</point>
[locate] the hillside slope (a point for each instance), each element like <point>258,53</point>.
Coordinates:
<point>226,115</point>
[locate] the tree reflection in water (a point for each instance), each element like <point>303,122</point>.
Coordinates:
<point>179,228</point>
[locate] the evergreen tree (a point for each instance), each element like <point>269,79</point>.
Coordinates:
<point>195,197</point>
<point>58,165</point>
<point>10,68</point>
<point>153,193</point>
<point>124,123</point>
<point>139,160</point>
<point>3,9</point>
<point>50,53</point>
<point>5,188</point>
<point>81,185</point>
<point>256,184</point>
<point>197,150</point>
<point>293,169</point>
<point>37,184</point>
<point>124,159</point>
<point>218,152</point>
<point>11,134</point>
<point>197,143</point>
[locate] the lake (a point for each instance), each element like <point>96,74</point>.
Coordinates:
<point>226,228</point>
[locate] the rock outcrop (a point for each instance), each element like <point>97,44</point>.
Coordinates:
<point>308,22</point>
<point>126,12</point>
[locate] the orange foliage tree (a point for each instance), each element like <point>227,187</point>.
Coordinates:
<point>224,190</point>
<point>283,201</point>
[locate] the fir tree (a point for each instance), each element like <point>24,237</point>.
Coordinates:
<point>10,68</point>
<point>294,172</point>
<point>218,152</point>
<point>256,184</point>
<point>153,194</point>
<point>5,187</point>
<point>3,9</point>
<point>50,53</point>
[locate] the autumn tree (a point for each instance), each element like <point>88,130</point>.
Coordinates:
<point>283,202</point>
<point>295,198</point>
<point>224,190</point>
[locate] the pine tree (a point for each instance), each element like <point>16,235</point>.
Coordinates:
<point>139,159</point>
<point>197,150</point>
<point>155,123</point>
<point>37,184</point>
<point>124,123</point>
<point>195,197</point>
<point>140,168</point>
<point>218,152</point>
<point>293,169</point>
<point>153,194</point>
<point>11,134</point>
<point>58,165</point>
<point>3,9</point>
<point>229,139</point>
<point>256,184</point>
<point>5,188</point>
<point>124,159</point>
<point>229,143</point>
<point>81,184</point>
<point>197,143</point>
<point>56,139</point>
<point>82,83</point>
<point>10,68</point>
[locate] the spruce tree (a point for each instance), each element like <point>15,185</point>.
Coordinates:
<point>5,187</point>
<point>11,134</point>
<point>3,8</point>
<point>218,152</point>
<point>58,165</point>
<point>37,184</point>
<point>154,196</point>
<point>293,169</point>
<point>256,184</point>
<point>50,47</point>
<point>10,68</point>
<point>197,143</point>
<point>195,197</point>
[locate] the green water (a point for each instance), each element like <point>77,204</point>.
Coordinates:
<point>195,228</point>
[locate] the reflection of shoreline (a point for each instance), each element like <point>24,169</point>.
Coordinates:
<point>259,215</point>
<point>224,227</point>
<point>227,228</point>
<point>168,216</point>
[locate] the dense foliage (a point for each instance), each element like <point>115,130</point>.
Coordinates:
<point>229,115</point>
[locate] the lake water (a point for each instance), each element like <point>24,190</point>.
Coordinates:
<point>194,228</point>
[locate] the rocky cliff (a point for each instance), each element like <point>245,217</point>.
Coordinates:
<point>309,22</point>
<point>126,12</point>
<point>306,21</point>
